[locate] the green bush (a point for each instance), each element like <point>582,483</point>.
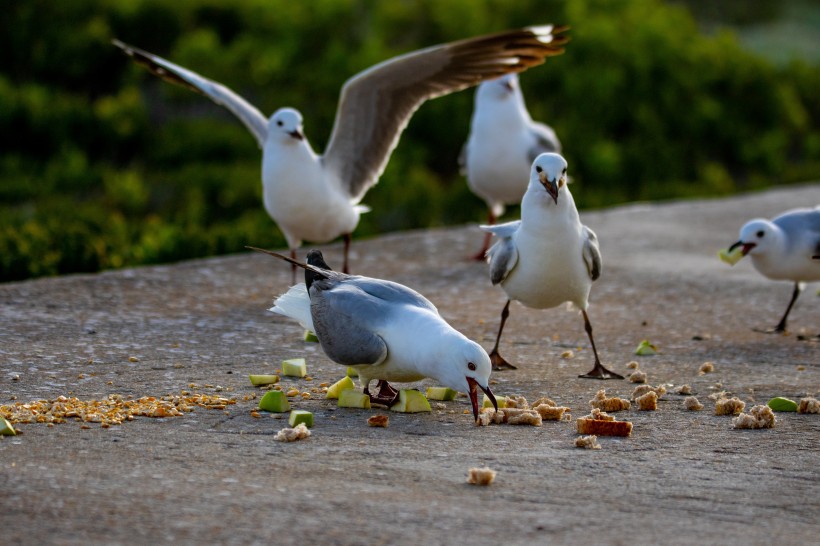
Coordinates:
<point>104,166</point>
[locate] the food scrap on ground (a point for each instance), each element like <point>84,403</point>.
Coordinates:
<point>299,432</point>
<point>692,404</point>
<point>808,405</point>
<point>600,423</point>
<point>588,442</point>
<point>638,376</point>
<point>480,476</point>
<point>411,401</point>
<point>294,367</point>
<point>729,406</point>
<point>300,416</point>
<point>706,367</point>
<point>609,404</point>
<point>648,401</point>
<point>274,402</point>
<point>684,389</point>
<point>640,390</point>
<point>759,416</point>
<point>645,349</point>
<point>379,420</point>
<point>782,404</point>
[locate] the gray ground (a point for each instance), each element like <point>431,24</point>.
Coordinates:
<point>210,476</point>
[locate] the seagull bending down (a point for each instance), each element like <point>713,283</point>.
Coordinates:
<point>503,142</point>
<point>548,257</point>
<point>785,248</point>
<point>384,330</point>
<point>316,197</point>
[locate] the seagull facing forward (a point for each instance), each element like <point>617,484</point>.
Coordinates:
<point>548,257</point>
<point>384,330</point>
<point>503,142</point>
<point>785,248</point>
<point>316,197</point>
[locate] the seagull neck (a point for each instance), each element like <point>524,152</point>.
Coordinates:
<point>540,212</point>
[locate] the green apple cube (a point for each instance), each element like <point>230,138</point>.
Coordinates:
<point>411,401</point>
<point>501,400</point>
<point>6,429</point>
<point>294,367</point>
<point>731,257</point>
<point>336,389</point>
<point>275,402</point>
<point>441,393</point>
<point>263,379</point>
<point>351,372</point>
<point>782,404</point>
<point>300,416</point>
<point>311,337</point>
<point>351,398</point>
<point>646,349</point>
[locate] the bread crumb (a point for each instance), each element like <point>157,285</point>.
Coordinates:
<point>544,400</point>
<point>511,416</point>
<point>516,401</point>
<point>718,395</point>
<point>602,424</point>
<point>299,432</point>
<point>808,405</point>
<point>551,413</point>
<point>484,419</point>
<point>640,390</point>
<point>692,404</point>
<point>609,404</point>
<point>684,389</point>
<point>638,376</point>
<point>379,420</point>
<point>567,354</point>
<point>480,476</point>
<point>729,406</point>
<point>632,365</point>
<point>706,367</point>
<point>526,417</point>
<point>599,415</point>
<point>648,402</point>
<point>588,442</point>
<point>759,416</point>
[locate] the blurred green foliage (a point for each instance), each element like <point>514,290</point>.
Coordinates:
<point>104,166</point>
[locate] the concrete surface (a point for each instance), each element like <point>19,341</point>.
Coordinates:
<point>219,477</point>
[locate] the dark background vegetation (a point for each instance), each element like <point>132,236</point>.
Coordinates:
<point>104,166</point>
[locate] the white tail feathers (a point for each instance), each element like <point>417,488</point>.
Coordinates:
<point>295,304</point>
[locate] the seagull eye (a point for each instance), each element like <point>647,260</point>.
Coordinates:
<point>538,169</point>
<point>565,170</point>
<point>279,123</point>
<point>760,234</point>
<point>471,366</point>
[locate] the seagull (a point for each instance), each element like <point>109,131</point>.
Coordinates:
<point>786,248</point>
<point>503,142</point>
<point>316,197</point>
<point>548,257</point>
<point>385,330</point>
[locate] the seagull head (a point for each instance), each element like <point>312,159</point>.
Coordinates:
<point>466,368</point>
<point>756,237</point>
<point>499,88</point>
<point>286,122</point>
<point>550,171</point>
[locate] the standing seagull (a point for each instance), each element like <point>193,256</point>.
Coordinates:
<point>384,330</point>
<point>786,248</point>
<point>548,257</point>
<point>503,142</point>
<point>316,197</point>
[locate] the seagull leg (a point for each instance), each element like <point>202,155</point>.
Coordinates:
<point>497,360</point>
<point>781,326</point>
<point>293,266</point>
<point>387,395</point>
<point>598,372</point>
<point>481,256</point>
<point>346,238</point>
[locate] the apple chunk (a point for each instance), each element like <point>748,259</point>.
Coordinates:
<point>263,379</point>
<point>500,400</point>
<point>275,402</point>
<point>731,257</point>
<point>351,398</point>
<point>441,393</point>
<point>300,416</point>
<point>411,401</point>
<point>336,389</point>
<point>310,337</point>
<point>294,367</point>
<point>6,429</point>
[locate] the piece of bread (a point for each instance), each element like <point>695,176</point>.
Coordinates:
<point>609,404</point>
<point>692,404</point>
<point>379,420</point>
<point>587,442</point>
<point>759,416</point>
<point>544,400</point>
<point>480,476</point>
<point>511,416</point>
<point>729,406</point>
<point>647,402</point>
<point>602,424</point>
<point>298,432</point>
<point>551,413</point>
<point>517,401</point>
<point>638,376</point>
<point>808,405</point>
<point>640,390</point>
<point>632,365</point>
<point>706,367</point>
<point>684,389</point>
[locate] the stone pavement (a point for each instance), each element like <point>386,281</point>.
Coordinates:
<point>217,475</point>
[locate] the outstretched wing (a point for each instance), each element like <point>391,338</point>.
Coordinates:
<point>592,254</point>
<point>248,114</point>
<point>376,105</point>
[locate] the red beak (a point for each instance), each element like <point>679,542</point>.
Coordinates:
<point>474,396</point>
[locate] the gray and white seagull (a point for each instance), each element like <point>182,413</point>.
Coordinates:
<point>316,197</point>
<point>503,142</point>
<point>385,330</point>
<point>548,257</point>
